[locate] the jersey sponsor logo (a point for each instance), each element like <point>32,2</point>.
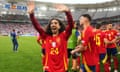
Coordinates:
<point>58,40</point>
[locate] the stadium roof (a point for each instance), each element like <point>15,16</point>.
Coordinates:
<point>75,1</point>
<point>84,4</point>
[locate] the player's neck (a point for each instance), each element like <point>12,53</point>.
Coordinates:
<point>97,29</point>
<point>109,29</point>
<point>55,34</point>
<point>86,25</point>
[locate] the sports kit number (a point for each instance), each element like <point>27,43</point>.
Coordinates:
<point>54,51</point>
<point>97,39</point>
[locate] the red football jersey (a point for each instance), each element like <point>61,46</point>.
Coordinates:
<point>88,56</point>
<point>55,46</point>
<point>110,35</point>
<point>99,40</point>
<point>56,53</point>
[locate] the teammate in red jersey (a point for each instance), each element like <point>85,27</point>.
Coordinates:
<point>56,37</point>
<point>39,41</point>
<point>42,44</point>
<point>99,38</point>
<point>111,46</point>
<point>87,48</point>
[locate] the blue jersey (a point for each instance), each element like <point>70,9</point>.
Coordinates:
<point>13,35</point>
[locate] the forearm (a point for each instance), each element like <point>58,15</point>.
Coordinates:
<point>118,39</point>
<point>76,50</point>
<point>114,40</point>
<point>68,30</point>
<point>37,25</point>
<point>107,41</point>
<point>69,18</point>
<point>80,48</point>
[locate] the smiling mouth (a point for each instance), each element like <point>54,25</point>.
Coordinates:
<point>53,28</point>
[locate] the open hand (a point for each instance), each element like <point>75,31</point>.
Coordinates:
<point>31,7</point>
<point>61,8</point>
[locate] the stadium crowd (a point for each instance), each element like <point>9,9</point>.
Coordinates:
<point>5,29</point>
<point>14,17</point>
<point>24,28</point>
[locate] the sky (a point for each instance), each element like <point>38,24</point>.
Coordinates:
<point>75,1</point>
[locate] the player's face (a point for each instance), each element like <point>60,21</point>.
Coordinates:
<point>83,20</point>
<point>109,26</point>
<point>55,26</point>
<point>103,27</point>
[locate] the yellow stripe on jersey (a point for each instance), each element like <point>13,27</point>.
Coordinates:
<point>86,66</point>
<point>89,47</point>
<point>46,60</point>
<point>65,63</point>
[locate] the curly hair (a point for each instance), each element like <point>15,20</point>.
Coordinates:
<point>62,27</point>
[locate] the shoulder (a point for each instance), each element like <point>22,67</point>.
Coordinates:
<point>62,33</point>
<point>106,32</point>
<point>89,29</point>
<point>115,31</point>
<point>89,32</point>
<point>103,33</point>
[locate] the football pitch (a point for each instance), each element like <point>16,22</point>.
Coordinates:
<point>27,59</point>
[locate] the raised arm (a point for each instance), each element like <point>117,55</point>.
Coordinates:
<point>68,30</point>
<point>65,9</point>
<point>31,7</point>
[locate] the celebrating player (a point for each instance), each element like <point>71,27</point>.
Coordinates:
<point>99,38</point>
<point>56,37</point>
<point>111,37</point>
<point>87,48</point>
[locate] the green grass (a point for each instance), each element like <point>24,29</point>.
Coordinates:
<point>28,59</point>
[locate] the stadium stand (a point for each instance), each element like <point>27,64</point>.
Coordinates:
<point>24,29</point>
<point>13,14</point>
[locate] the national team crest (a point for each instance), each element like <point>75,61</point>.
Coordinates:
<point>58,40</point>
<point>53,44</point>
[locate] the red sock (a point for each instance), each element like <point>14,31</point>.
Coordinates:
<point>98,68</point>
<point>115,62</point>
<point>106,67</point>
<point>109,61</point>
